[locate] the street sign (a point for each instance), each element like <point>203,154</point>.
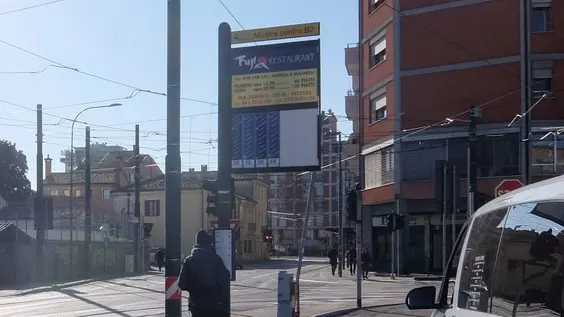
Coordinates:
<point>275,33</point>
<point>507,185</point>
<point>234,224</point>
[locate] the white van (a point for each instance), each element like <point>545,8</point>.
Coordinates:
<point>512,259</point>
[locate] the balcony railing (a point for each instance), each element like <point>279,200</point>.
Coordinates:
<point>352,59</point>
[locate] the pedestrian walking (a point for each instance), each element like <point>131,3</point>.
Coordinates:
<point>352,260</point>
<point>160,258</point>
<point>347,257</point>
<point>333,255</point>
<point>366,261</point>
<point>206,279</point>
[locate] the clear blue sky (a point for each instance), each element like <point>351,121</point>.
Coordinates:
<point>125,40</point>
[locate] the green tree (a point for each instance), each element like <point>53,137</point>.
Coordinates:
<point>13,168</point>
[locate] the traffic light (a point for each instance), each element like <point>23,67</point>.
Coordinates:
<point>395,222</point>
<point>267,235</point>
<point>390,222</point>
<point>352,205</point>
<point>211,187</point>
<point>399,222</point>
<point>147,227</point>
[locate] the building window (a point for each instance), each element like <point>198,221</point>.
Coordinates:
<point>77,193</point>
<point>496,155</point>
<point>379,168</point>
<point>387,166</point>
<point>107,193</point>
<point>378,52</point>
<point>152,208</point>
<point>378,108</point>
<point>542,78</point>
<point>248,246</point>
<point>66,192</point>
<point>374,4</point>
<point>540,19</point>
<point>547,155</point>
<point>53,192</point>
<point>131,177</point>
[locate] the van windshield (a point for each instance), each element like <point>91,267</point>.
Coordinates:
<point>520,271</point>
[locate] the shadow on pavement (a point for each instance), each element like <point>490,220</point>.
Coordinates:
<point>44,287</point>
<point>75,294</point>
<point>51,286</point>
<point>137,287</point>
<point>255,287</point>
<point>280,264</point>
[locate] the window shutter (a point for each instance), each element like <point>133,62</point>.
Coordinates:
<point>147,208</point>
<point>378,168</point>
<point>158,207</point>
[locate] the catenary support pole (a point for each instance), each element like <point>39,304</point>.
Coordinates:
<point>87,205</point>
<point>340,213</point>
<point>359,247</point>
<point>173,303</point>
<point>393,247</point>
<point>526,64</point>
<point>224,181</point>
<point>304,221</point>
<point>472,164</point>
<point>41,215</point>
<point>444,215</point>
<point>137,203</point>
<point>455,195</point>
<point>398,238</point>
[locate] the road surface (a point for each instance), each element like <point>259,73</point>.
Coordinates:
<point>252,295</point>
<point>391,311</point>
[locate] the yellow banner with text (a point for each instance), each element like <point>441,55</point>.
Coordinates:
<point>275,88</point>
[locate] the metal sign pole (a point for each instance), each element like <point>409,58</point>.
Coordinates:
<point>224,235</point>
<point>173,300</point>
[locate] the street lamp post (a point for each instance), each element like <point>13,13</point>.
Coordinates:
<point>71,196</point>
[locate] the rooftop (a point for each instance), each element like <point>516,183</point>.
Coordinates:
<point>97,177</point>
<point>188,181</point>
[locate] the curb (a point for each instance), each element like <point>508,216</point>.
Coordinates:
<point>345,311</point>
<point>427,278</point>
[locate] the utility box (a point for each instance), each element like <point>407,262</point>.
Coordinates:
<point>285,298</point>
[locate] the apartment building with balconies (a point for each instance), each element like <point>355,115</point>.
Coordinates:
<point>422,64</point>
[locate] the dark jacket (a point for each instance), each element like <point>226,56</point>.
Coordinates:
<point>160,256</point>
<point>366,260</point>
<point>204,277</point>
<point>332,255</point>
<point>352,255</point>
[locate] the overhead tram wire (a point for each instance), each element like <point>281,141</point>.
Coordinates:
<point>92,75</point>
<point>233,17</point>
<point>418,130</point>
<point>30,7</point>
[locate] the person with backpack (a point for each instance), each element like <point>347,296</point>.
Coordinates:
<point>206,279</point>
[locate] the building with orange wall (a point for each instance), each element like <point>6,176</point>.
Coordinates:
<point>423,61</point>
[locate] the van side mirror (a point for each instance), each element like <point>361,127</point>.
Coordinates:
<point>421,298</point>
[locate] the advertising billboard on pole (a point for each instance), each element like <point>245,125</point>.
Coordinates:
<point>276,107</point>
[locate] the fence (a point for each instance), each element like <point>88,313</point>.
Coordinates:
<point>106,231</point>
<point>18,261</point>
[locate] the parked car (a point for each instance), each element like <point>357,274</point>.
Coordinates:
<point>510,254</point>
